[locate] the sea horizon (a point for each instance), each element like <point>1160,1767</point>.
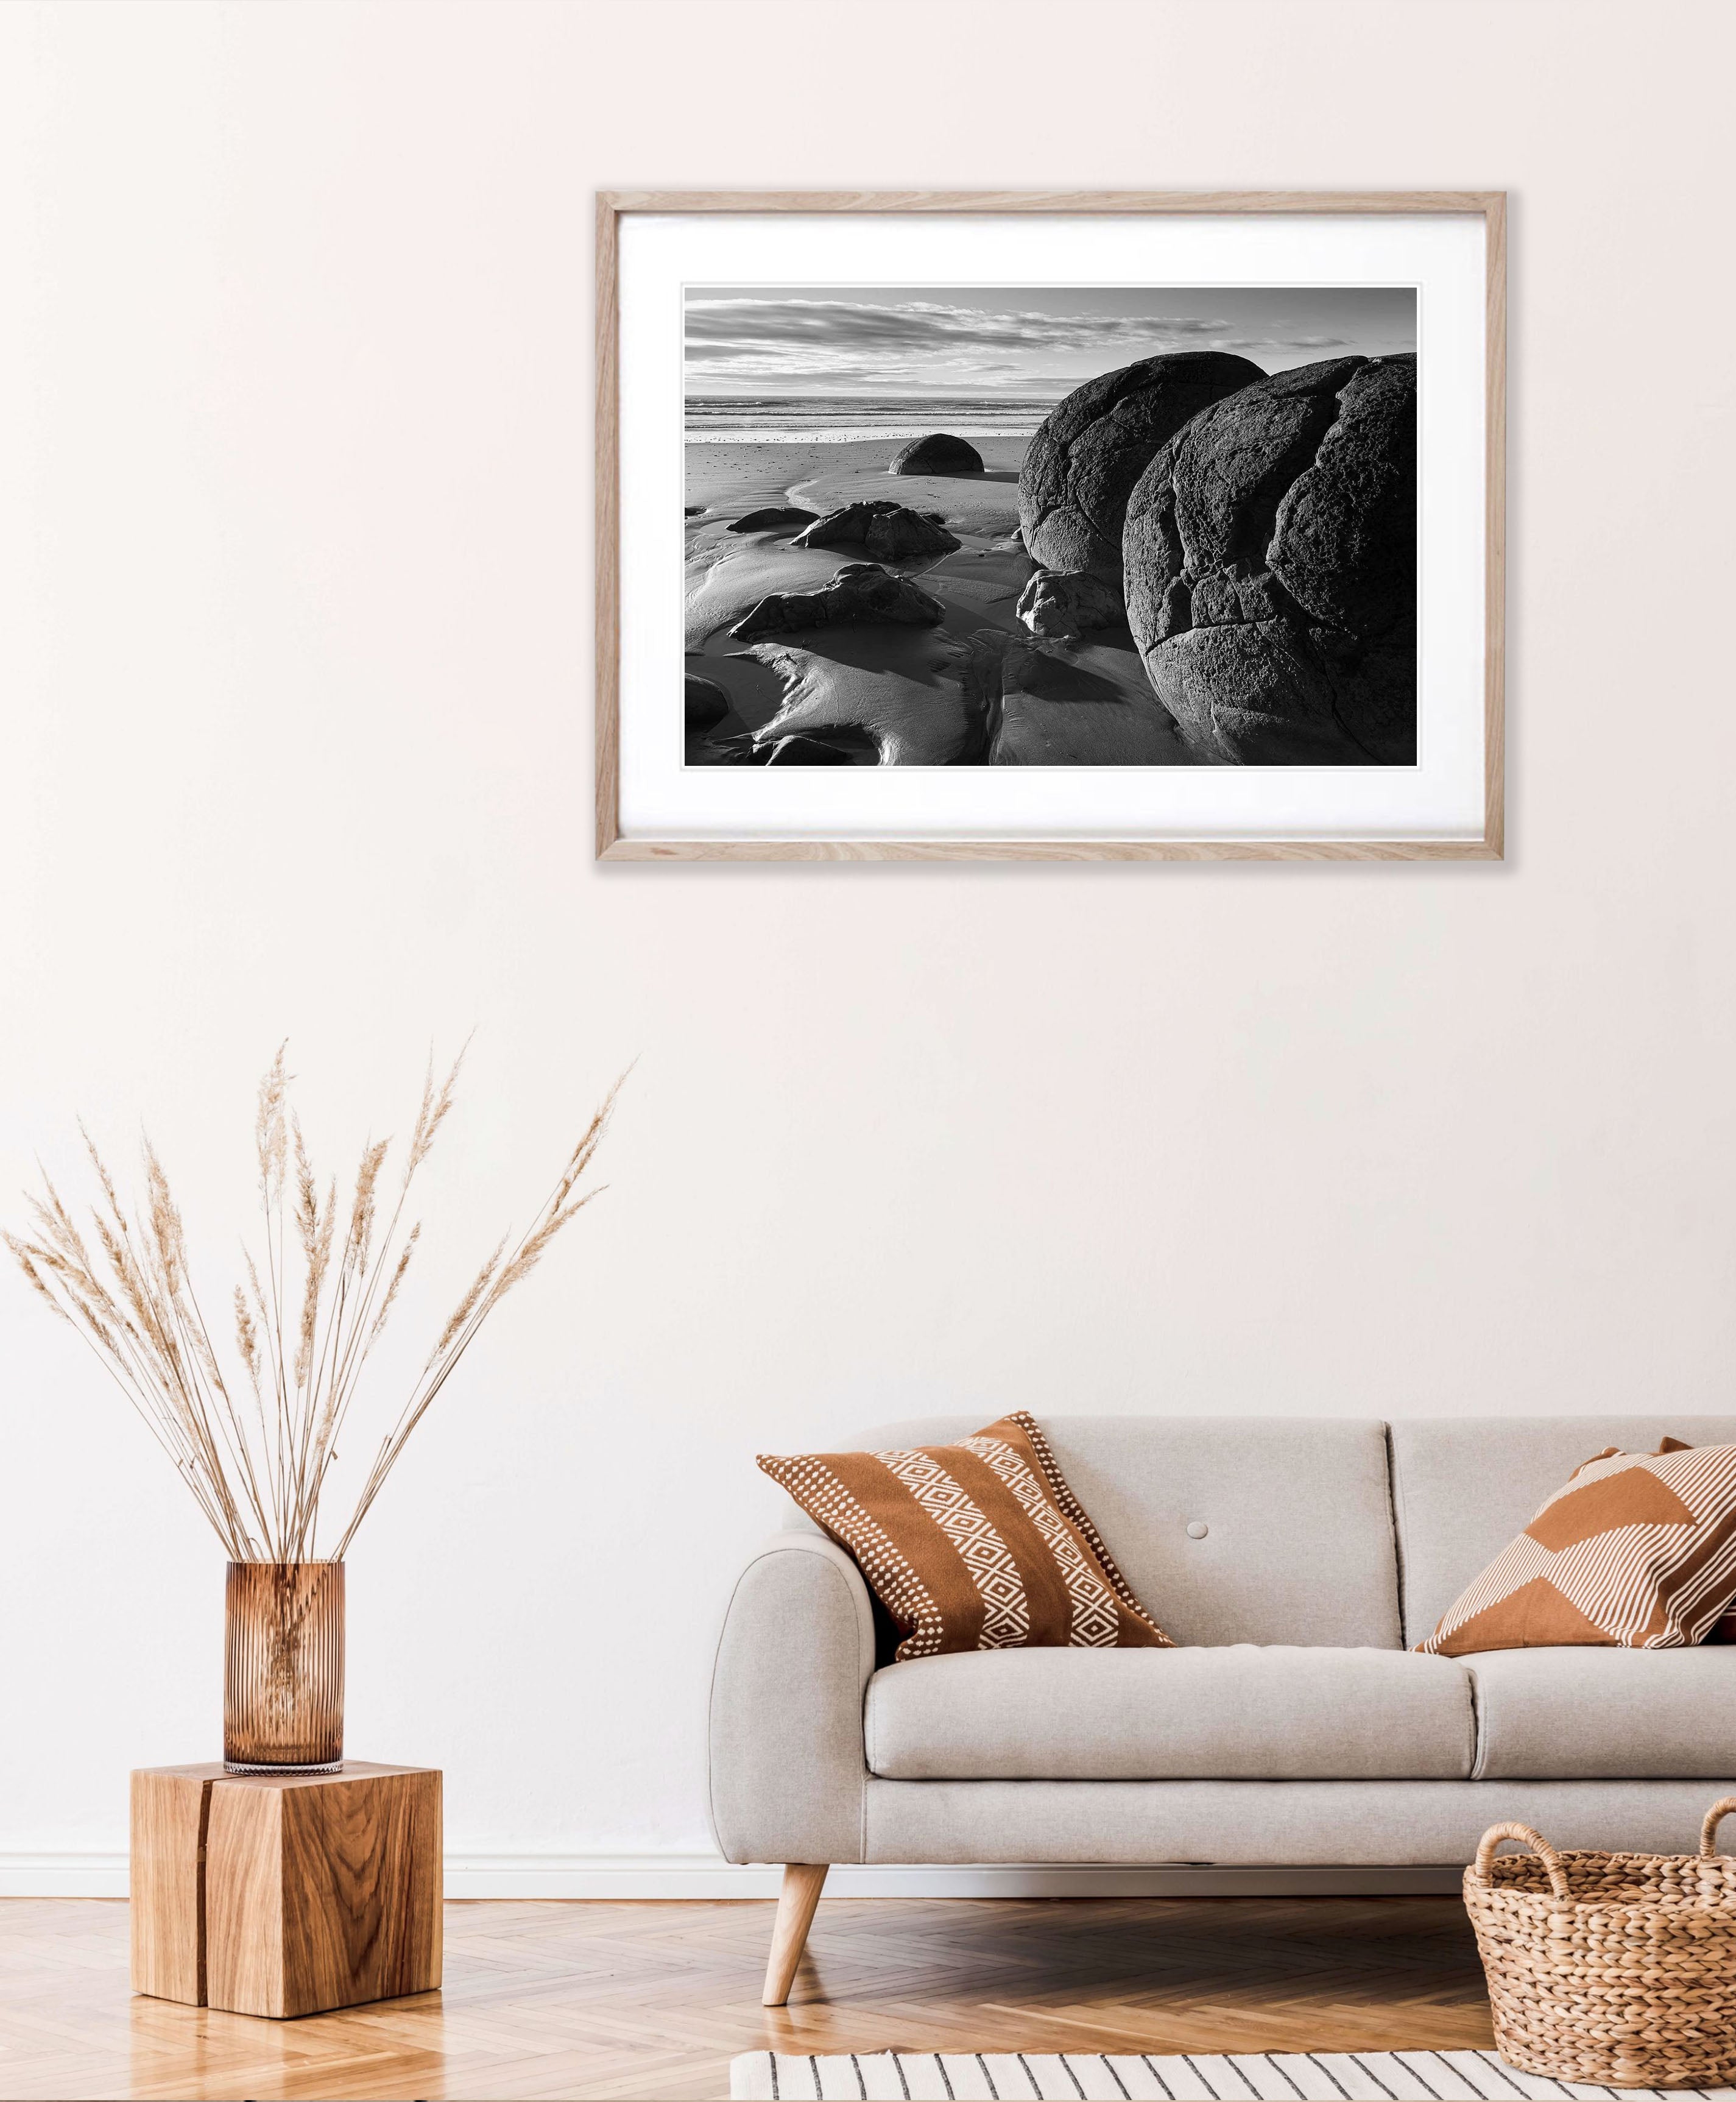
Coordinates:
<point>840,420</point>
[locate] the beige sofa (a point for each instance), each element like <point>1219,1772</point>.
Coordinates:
<point>1297,1561</point>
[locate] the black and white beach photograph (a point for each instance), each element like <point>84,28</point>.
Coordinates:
<point>1127,525</point>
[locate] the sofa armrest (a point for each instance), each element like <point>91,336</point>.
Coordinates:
<point>788,1773</point>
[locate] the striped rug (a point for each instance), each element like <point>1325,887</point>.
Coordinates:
<point>1075,2076</point>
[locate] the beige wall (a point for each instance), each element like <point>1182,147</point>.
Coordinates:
<point>293,657</point>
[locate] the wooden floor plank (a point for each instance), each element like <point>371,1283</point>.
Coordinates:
<point>611,2000</point>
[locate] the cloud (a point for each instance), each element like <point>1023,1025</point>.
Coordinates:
<point>779,345</point>
<point>1178,325</point>
<point>1277,343</point>
<point>849,325</point>
<point>841,344</point>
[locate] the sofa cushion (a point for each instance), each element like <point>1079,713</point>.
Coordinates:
<point>1463,1487</point>
<point>1251,1824</point>
<point>1235,1528</point>
<point>1172,1714</point>
<point>1637,1550</point>
<point>1604,1715</point>
<point>975,1544</point>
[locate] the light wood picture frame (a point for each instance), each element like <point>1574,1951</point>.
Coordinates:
<point>1481,835</point>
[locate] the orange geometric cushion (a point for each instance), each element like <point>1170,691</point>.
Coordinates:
<point>977,1546</point>
<point>1723,1629</point>
<point>1638,1551</point>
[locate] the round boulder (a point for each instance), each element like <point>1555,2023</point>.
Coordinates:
<point>938,453</point>
<point>1270,559</point>
<point>1092,448</point>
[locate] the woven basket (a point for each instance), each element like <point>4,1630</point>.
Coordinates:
<point>1616,1969</point>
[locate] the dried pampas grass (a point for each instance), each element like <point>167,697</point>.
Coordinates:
<point>256,1456</point>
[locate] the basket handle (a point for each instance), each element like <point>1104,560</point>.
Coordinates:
<point>1541,1848</point>
<point>1709,1830</point>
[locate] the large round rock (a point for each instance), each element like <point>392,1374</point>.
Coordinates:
<point>1092,448</point>
<point>1270,559</point>
<point>940,453</point>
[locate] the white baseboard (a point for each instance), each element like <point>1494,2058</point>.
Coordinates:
<point>62,1875</point>
<point>95,1875</point>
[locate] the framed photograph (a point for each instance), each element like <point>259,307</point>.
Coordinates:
<point>1059,526</point>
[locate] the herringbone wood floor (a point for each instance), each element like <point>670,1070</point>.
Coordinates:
<point>652,1999</point>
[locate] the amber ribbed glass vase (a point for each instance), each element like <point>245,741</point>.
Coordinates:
<point>283,1668</point>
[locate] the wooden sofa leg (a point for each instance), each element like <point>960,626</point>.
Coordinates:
<point>803,1884</point>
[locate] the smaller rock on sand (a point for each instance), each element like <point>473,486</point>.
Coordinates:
<point>707,703</point>
<point>859,592</point>
<point>1068,601</point>
<point>889,531</point>
<point>940,453</point>
<point>772,519</point>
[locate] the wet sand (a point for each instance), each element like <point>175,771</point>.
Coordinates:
<point>975,689</point>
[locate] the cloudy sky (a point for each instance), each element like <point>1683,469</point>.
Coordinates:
<point>1033,340</point>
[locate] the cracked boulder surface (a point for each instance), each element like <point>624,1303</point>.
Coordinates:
<point>889,531</point>
<point>1093,446</point>
<point>858,592</point>
<point>939,453</point>
<point>1269,552</point>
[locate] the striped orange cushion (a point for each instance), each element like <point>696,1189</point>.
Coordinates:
<point>977,1546</point>
<point>1723,1629</point>
<point>1638,1551</point>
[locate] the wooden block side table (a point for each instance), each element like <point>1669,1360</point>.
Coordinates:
<point>285,1894</point>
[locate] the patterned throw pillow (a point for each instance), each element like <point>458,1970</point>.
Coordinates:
<point>977,1546</point>
<point>1638,1551</point>
<point>1723,1629</point>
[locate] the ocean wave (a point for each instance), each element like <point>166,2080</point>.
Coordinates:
<point>842,434</point>
<point>795,419</point>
